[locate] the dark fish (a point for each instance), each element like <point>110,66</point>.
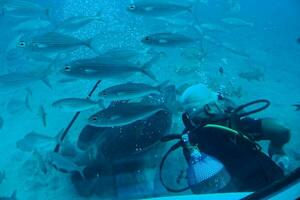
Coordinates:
<point>43,115</point>
<point>41,162</point>
<point>221,70</point>
<point>252,75</point>
<point>297,107</point>
<point>2,176</point>
<point>298,40</point>
<point>1,122</point>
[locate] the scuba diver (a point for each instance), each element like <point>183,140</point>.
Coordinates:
<point>220,144</point>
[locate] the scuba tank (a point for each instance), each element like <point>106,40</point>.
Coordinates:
<point>204,172</point>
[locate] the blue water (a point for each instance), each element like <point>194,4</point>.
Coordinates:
<point>270,46</point>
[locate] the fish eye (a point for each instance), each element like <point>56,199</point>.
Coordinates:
<point>147,38</point>
<point>22,44</point>
<point>94,118</point>
<point>67,68</point>
<point>131,7</point>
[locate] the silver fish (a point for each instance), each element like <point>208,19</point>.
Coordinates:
<point>168,39</point>
<point>12,197</point>
<point>27,12</point>
<point>43,115</point>
<point>96,68</point>
<point>42,165</point>
<point>237,22</point>
<point>16,80</point>
<point>130,91</point>
<point>213,27</point>
<point>31,25</point>
<point>157,8</point>
<point>64,164</point>
<point>53,42</point>
<point>76,104</point>
<point>75,23</point>
<point>33,140</point>
<point>17,4</point>
<point>123,113</point>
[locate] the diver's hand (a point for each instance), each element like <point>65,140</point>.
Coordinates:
<point>282,161</point>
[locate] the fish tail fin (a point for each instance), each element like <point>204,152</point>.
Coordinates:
<point>14,195</point>
<point>81,171</point>
<point>162,86</point>
<point>92,44</point>
<point>146,67</point>
<point>100,103</point>
<point>169,98</point>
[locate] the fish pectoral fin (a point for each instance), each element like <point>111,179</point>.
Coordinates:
<point>115,117</point>
<point>163,41</point>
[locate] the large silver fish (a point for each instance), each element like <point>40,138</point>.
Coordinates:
<point>75,23</point>
<point>16,80</point>
<point>123,113</point>
<point>237,22</point>
<point>156,8</point>
<point>1,122</point>
<point>97,68</point>
<point>64,164</point>
<point>53,42</point>
<point>76,104</point>
<point>130,91</point>
<point>168,39</point>
<point>33,140</point>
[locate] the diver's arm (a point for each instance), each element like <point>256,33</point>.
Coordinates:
<point>277,133</point>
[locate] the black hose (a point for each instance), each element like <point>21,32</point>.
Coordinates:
<point>173,148</point>
<point>64,134</point>
<point>240,108</point>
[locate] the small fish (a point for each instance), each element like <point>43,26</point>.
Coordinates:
<point>43,115</point>
<point>96,68</point>
<point>31,25</point>
<point>234,50</point>
<point>213,27</point>
<point>19,4</point>
<point>64,164</point>
<point>42,165</point>
<point>298,40</point>
<point>2,176</point>
<point>75,23</point>
<point>33,140</point>
<point>16,80</point>
<point>27,12</point>
<point>53,42</point>
<point>168,39</point>
<point>76,104</point>
<point>12,197</point>
<point>221,70</point>
<point>130,91</point>
<point>297,107</point>
<point>253,75</point>
<point>1,122</point>
<point>123,113</point>
<point>237,22</point>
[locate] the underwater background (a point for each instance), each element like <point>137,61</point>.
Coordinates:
<point>261,61</point>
